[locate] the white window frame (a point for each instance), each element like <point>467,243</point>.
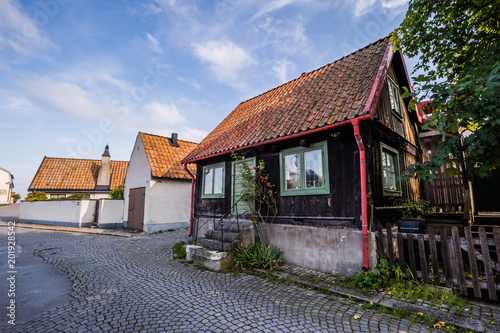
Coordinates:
<point>213,168</point>
<point>394,155</point>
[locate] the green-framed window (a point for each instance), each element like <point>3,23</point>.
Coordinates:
<point>213,181</point>
<point>304,171</point>
<point>390,171</point>
<point>394,97</point>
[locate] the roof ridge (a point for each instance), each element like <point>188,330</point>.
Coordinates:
<point>313,71</point>
<point>79,159</point>
<point>166,137</point>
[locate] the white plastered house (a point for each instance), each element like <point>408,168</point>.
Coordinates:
<point>6,186</point>
<point>157,188</point>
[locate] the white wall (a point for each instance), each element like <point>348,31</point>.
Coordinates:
<point>5,186</point>
<point>76,213</point>
<point>138,175</point>
<point>110,213</point>
<point>169,203</point>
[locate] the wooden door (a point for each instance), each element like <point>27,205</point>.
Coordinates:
<point>487,192</point>
<point>237,187</point>
<point>136,202</point>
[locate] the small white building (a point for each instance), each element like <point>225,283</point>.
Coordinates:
<point>157,188</point>
<point>6,186</point>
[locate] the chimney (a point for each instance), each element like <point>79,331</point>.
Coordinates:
<point>104,178</point>
<point>173,141</point>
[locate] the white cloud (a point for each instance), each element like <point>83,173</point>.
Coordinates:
<point>149,43</point>
<point>165,114</point>
<point>393,3</point>
<point>62,96</point>
<point>271,6</point>
<point>281,69</point>
<point>362,7</point>
<point>153,43</point>
<point>225,58</point>
<point>22,33</point>
<point>192,134</point>
<point>12,101</point>
<point>151,8</point>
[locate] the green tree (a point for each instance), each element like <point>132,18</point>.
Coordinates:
<point>457,43</point>
<point>16,197</point>
<point>117,192</point>
<point>35,196</point>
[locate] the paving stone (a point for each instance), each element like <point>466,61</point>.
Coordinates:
<point>132,284</point>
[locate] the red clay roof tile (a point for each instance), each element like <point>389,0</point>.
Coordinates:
<point>164,159</point>
<point>74,174</point>
<point>330,94</point>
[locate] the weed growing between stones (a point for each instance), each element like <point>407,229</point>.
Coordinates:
<point>258,256</point>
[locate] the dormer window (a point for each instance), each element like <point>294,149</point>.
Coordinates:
<point>395,97</point>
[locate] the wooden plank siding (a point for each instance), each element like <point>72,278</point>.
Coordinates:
<point>469,265</point>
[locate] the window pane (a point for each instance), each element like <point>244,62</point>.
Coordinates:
<point>218,181</point>
<point>314,168</point>
<point>209,177</point>
<point>388,169</point>
<point>292,171</point>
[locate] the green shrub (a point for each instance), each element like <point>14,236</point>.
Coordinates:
<point>35,196</point>
<point>16,197</point>
<point>117,192</point>
<point>258,256</point>
<point>74,196</point>
<point>179,250</point>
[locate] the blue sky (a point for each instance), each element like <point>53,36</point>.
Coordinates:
<point>75,75</point>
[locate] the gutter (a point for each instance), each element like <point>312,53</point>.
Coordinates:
<point>192,199</point>
<point>364,208</point>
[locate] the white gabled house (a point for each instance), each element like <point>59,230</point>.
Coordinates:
<point>157,188</point>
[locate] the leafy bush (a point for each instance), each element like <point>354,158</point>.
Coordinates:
<point>258,256</point>
<point>36,196</point>
<point>379,278</point>
<point>16,197</point>
<point>77,196</point>
<point>414,208</point>
<point>179,250</point>
<point>117,192</point>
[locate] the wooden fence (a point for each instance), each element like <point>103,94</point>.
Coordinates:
<point>446,192</point>
<point>457,262</point>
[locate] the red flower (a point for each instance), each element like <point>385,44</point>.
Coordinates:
<point>255,168</point>
<point>261,177</point>
<point>267,184</point>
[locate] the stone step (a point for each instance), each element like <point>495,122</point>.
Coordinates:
<point>215,244</point>
<point>229,236</point>
<point>232,224</point>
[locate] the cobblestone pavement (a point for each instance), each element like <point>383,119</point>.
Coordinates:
<point>134,285</point>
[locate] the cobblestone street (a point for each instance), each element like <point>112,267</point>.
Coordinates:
<point>133,285</point>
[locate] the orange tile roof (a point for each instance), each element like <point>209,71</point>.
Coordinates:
<point>164,159</point>
<point>74,174</point>
<point>333,93</point>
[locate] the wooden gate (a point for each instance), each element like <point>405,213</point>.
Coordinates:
<point>136,201</point>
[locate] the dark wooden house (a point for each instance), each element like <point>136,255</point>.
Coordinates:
<point>334,142</point>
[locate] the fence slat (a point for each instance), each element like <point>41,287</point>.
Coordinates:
<point>446,256</point>
<point>459,264</point>
<point>390,246</point>
<point>492,289</point>
<point>434,256</point>
<point>423,258</point>
<point>411,255</point>
<point>401,251</point>
<point>472,262</point>
<point>380,241</point>
<point>496,233</point>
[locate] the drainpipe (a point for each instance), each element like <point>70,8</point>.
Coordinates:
<point>192,200</point>
<point>364,209</point>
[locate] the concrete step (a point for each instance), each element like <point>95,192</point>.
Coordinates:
<point>232,224</point>
<point>229,236</point>
<point>214,260</point>
<point>215,244</point>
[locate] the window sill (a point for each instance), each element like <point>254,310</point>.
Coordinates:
<point>389,193</point>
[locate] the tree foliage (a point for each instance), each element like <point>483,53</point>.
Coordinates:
<point>36,196</point>
<point>458,46</point>
<point>117,192</point>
